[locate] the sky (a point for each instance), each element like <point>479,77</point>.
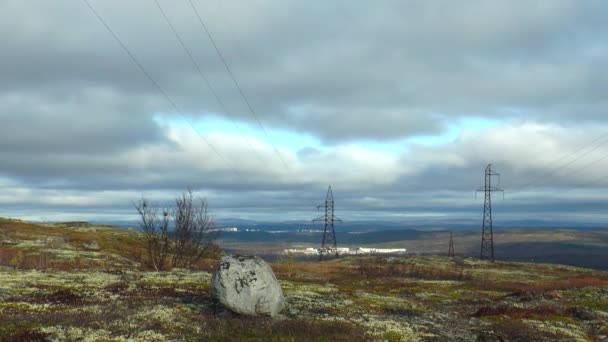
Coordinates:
<point>399,105</point>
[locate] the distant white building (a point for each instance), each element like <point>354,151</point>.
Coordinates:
<point>304,251</point>
<point>363,250</point>
<point>345,251</point>
<point>225,229</point>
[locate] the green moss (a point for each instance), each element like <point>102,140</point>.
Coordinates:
<point>493,319</point>
<point>10,329</point>
<point>596,304</point>
<point>442,297</point>
<point>561,319</point>
<point>392,336</point>
<point>27,307</point>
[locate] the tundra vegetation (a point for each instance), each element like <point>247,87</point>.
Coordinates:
<point>56,284</point>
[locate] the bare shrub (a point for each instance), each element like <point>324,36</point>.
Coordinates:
<point>193,236</point>
<point>191,240</point>
<point>155,231</point>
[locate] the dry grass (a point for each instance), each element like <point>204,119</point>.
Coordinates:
<point>260,329</point>
<point>538,312</point>
<point>541,286</point>
<point>512,330</point>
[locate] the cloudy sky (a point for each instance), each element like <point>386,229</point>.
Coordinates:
<point>399,105</point>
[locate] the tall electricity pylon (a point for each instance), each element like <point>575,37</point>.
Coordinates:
<point>487,235</point>
<point>451,248</point>
<point>329,244</point>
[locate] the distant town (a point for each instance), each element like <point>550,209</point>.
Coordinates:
<point>344,251</point>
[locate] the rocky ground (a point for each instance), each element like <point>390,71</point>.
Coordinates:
<point>110,297</point>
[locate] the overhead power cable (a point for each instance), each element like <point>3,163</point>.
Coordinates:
<point>590,182</point>
<point>552,173</point>
<point>593,162</point>
<point>157,86</point>
<point>205,79</point>
<point>236,83</point>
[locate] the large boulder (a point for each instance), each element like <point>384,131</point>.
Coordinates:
<point>247,285</point>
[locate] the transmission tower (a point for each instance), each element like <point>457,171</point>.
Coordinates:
<point>328,244</point>
<point>487,235</point>
<point>451,248</point>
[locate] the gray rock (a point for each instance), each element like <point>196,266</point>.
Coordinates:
<point>247,285</point>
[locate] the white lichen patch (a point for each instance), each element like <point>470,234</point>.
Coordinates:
<point>379,327</point>
<point>570,331</point>
<point>29,281</point>
<point>445,283</point>
<point>23,306</point>
<point>23,244</point>
<point>60,333</point>
<point>314,304</point>
<point>158,313</point>
<point>366,298</point>
<point>175,277</point>
<point>313,288</point>
<point>71,254</point>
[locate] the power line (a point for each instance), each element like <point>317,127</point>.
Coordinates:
<point>236,83</point>
<point>237,48</point>
<point>577,170</point>
<point>205,79</point>
<point>157,86</point>
<point>550,173</point>
<point>592,181</point>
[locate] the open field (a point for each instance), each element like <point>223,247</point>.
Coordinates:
<point>107,295</point>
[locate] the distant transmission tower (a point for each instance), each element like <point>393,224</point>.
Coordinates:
<point>451,248</point>
<point>487,235</point>
<point>328,244</point>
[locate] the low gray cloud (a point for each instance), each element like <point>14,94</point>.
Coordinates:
<point>78,118</point>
